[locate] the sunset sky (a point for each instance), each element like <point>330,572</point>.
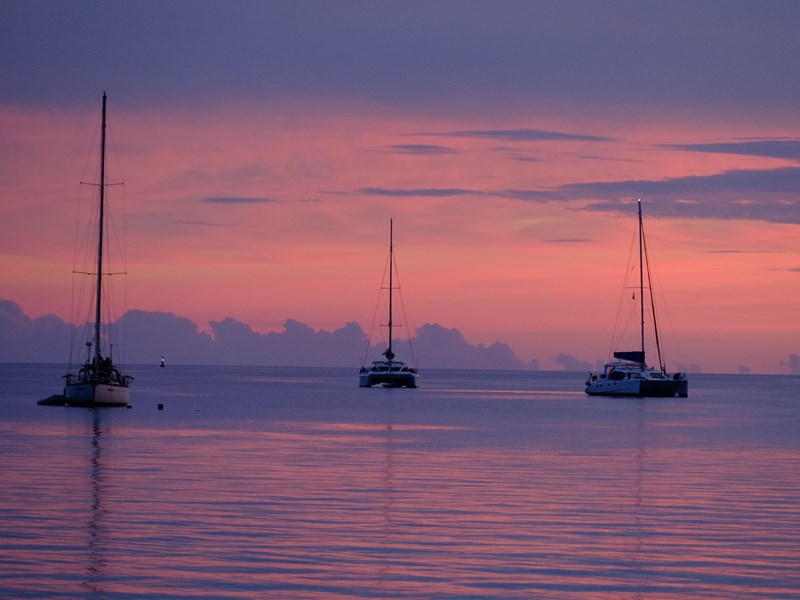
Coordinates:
<point>264,147</point>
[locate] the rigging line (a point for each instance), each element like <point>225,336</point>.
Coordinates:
<point>121,241</point>
<point>112,312</point>
<point>79,256</point>
<point>616,337</point>
<point>652,302</point>
<point>664,314</point>
<point>405,316</point>
<point>91,154</point>
<point>80,324</point>
<point>124,332</point>
<point>114,235</point>
<point>73,330</point>
<point>82,247</point>
<point>377,307</point>
<point>114,334</point>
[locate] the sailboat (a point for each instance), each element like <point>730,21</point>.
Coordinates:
<point>389,372</point>
<point>629,374</point>
<point>99,382</point>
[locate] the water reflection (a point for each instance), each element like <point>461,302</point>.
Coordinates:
<point>388,506</point>
<point>308,493</point>
<point>639,470</point>
<point>96,525</point>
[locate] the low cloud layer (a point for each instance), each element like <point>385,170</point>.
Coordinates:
<point>151,334</point>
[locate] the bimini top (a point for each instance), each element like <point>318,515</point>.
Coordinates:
<point>632,355</point>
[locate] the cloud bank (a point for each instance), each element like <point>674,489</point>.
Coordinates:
<point>151,334</point>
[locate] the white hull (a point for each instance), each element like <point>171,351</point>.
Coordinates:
<point>96,394</point>
<point>625,379</point>
<point>604,387</point>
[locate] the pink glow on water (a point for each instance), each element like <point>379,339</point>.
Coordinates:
<point>299,483</point>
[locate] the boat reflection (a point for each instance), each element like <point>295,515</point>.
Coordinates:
<point>638,505</point>
<point>388,506</point>
<point>96,525</point>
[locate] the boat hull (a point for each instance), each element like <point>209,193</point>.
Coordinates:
<point>641,388</point>
<point>88,394</point>
<point>408,381</point>
<point>664,389</point>
<point>385,375</point>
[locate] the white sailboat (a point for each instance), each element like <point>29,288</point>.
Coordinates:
<point>629,374</point>
<point>389,372</point>
<point>99,382</point>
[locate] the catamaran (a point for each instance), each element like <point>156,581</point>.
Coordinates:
<point>389,372</point>
<point>629,374</point>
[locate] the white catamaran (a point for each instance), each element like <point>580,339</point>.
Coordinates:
<point>99,382</point>
<point>389,372</point>
<point>629,374</point>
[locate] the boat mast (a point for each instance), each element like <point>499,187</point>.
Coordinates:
<point>389,353</point>
<point>641,280</point>
<point>100,236</point>
<point>652,303</point>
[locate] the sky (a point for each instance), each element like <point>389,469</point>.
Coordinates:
<point>264,146</point>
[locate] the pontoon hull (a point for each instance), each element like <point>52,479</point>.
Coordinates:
<point>372,379</point>
<point>388,374</point>
<point>642,388</point>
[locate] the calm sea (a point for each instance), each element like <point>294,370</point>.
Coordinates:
<point>295,483</point>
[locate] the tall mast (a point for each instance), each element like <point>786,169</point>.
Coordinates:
<point>641,279</point>
<point>389,353</point>
<point>100,235</point>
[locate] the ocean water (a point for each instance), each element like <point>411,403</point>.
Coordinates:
<point>295,483</point>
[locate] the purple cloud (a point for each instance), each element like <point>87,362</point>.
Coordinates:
<point>422,149</point>
<point>236,200</point>
<point>411,193</point>
<point>521,135</point>
<point>777,148</point>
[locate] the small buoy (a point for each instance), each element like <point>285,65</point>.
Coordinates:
<point>160,407</point>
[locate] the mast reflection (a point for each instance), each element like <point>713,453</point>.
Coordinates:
<point>95,526</point>
<point>384,574</point>
<point>638,503</point>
